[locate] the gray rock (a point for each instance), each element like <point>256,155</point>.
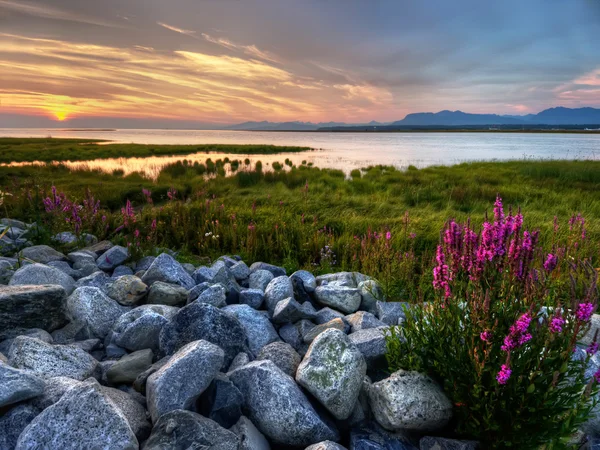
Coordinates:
<point>42,254</point>
<point>99,248</point>
<point>81,256</point>
<point>127,369</point>
<point>32,332</point>
<point>390,312</point>
<point>189,267</point>
<point>308,280</point>
<point>161,293</point>
<point>241,359</point>
<point>326,445</point>
<point>347,279</point>
<point>90,306</point>
<point>291,335</point>
<point>144,263</point>
<point>23,307</point>
<point>121,271</point>
<point>594,327</point>
<point>97,279</point>
<point>14,223</point>
<point>82,418</point>
<point>363,320</point>
<point>113,257</point>
<point>65,238</point>
<point>165,268</point>
<point>222,402</point>
<point>252,297</point>
<point>260,279</point>
<point>372,344</point>
<point>282,355</point>
<point>337,324</point>
<point>73,331</point>
<point>18,385</point>
<point>333,371</point>
<point>4,359</point>
<point>201,321</point>
<point>140,382</point>
<point>275,270</point>
<point>65,267</point>
<point>178,383</point>
<point>277,290</point>
<point>132,410</point>
<point>437,443</point>
<point>203,274</point>
<point>215,295</point>
<point>113,351</point>
<point>6,271</point>
<point>40,275</point>
<point>13,422</point>
<point>240,271</point>
<point>326,314</point>
<point>89,345</point>
<point>409,401</point>
<point>250,437</point>
<point>195,292</point>
<point>371,293</point>
<point>345,299</point>
<point>140,328</point>
<point>47,361</point>
<point>187,430</point>
<point>278,407</point>
<point>373,437</point>
<point>290,311</point>
<point>259,330</point>
<point>54,389</point>
<point>128,290</point>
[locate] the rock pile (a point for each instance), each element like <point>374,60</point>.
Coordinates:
<point>98,351</point>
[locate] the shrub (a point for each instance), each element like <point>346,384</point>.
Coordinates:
<point>501,332</point>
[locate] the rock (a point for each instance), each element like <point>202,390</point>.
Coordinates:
<point>308,280</point>
<point>277,290</point>
<point>54,389</point>
<point>32,332</point>
<point>89,345</point>
<point>326,445</point>
<point>13,422</point>
<point>241,359</point>
<point>222,402</point>
<point>203,274</point>
<point>337,324</point>
<point>17,385</point>
<point>257,326</point>
<point>127,369</point>
<point>113,257</point>
<point>252,297</point>
<point>300,293</point>
<point>113,351</point>
<point>390,312</point>
<point>99,248</point>
<point>345,299</point>
<point>278,407</point>
<point>282,355</point>
<point>140,328</point>
<point>165,268</point>
<point>161,293</point>
<point>97,279</point>
<point>250,437</point>
<point>362,320</point>
<point>291,335</point>
<point>371,293</point>
<point>409,401</point>
<point>437,443</point>
<point>6,271</point>
<point>372,344</point>
<point>90,306</point>
<point>132,410</point>
<point>73,331</point>
<point>195,292</point>
<point>40,275</point>
<point>240,271</point>
<point>290,311</point>
<point>121,271</point>
<point>23,307</point>
<point>144,263</point>
<point>4,359</point>
<point>214,295</point>
<point>201,321</point>
<point>41,254</point>
<point>333,371</point>
<point>594,327</point>
<point>140,382</point>
<point>66,268</point>
<point>178,383</point>
<point>65,238</point>
<point>347,279</point>
<point>260,279</point>
<point>128,290</point>
<point>7,222</point>
<point>373,437</point>
<point>326,314</point>
<point>187,430</point>
<point>49,361</point>
<point>82,418</point>
<point>276,271</point>
<point>82,256</point>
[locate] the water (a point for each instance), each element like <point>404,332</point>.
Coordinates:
<point>345,151</point>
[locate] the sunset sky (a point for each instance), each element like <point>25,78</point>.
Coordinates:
<point>192,62</point>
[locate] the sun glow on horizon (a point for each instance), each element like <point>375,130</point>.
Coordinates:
<point>61,116</point>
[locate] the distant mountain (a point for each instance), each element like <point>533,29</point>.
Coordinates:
<point>291,126</point>
<point>455,118</point>
<point>568,116</point>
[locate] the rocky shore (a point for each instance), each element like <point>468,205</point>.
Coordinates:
<point>99,351</point>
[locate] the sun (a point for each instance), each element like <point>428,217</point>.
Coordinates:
<point>60,115</point>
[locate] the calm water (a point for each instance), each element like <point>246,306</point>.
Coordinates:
<point>344,151</point>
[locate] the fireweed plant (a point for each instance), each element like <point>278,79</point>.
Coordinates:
<point>501,330</point>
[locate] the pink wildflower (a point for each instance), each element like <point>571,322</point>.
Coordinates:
<point>485,336</point>
<point>551,262</point>
<point>592,348</point>
<point>584,311</point>
<point>503,374</point>
<point>556,324</point>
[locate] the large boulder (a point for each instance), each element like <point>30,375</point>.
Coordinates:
<point>311,334</point>
<point>113,257</point>
<point>23,307</point>
<point>308,280</point>
<point>252,297</point>
<point>371,292</point>
<point>409,401</point>
<point>178,383</point>
<point>215,295</point>
<point>54,389</point>
<point>132,409</point>
<point>363,320</point>
<point>140,328</point>
<point>258,327</point>
<point>260,280</point>
<point>165,268</point>
<point>48,361</point>
<point>278,407</point>
<point>17,385</point>
<point>251,438</point>
<point>333,371</point>
<point>290,311</point>
<point>85,417</point>
<point>42,254</point>
<point>187,430</point>
<point>161,293</point>
<point>278,290</point>
<point>391,312</point>
<point>127,369</point>
<point>14,421</point>
<point>40,275</point>
<point>372,344</point>
<point>222,402</point>
<point>342,298</point>
<point>202,321</point>
<point>282,355</point>
<point>128,290</point>
<point>275,270</point>
<point>90,306</point>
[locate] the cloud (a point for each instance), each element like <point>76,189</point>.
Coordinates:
<point>178,30</point>
<point>251,50</point>
<point>48,12</point>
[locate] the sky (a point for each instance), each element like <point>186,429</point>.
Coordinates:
<point>186,63</point>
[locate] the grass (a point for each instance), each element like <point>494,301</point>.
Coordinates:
<point>288,217</point>
<point>50,149</point>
